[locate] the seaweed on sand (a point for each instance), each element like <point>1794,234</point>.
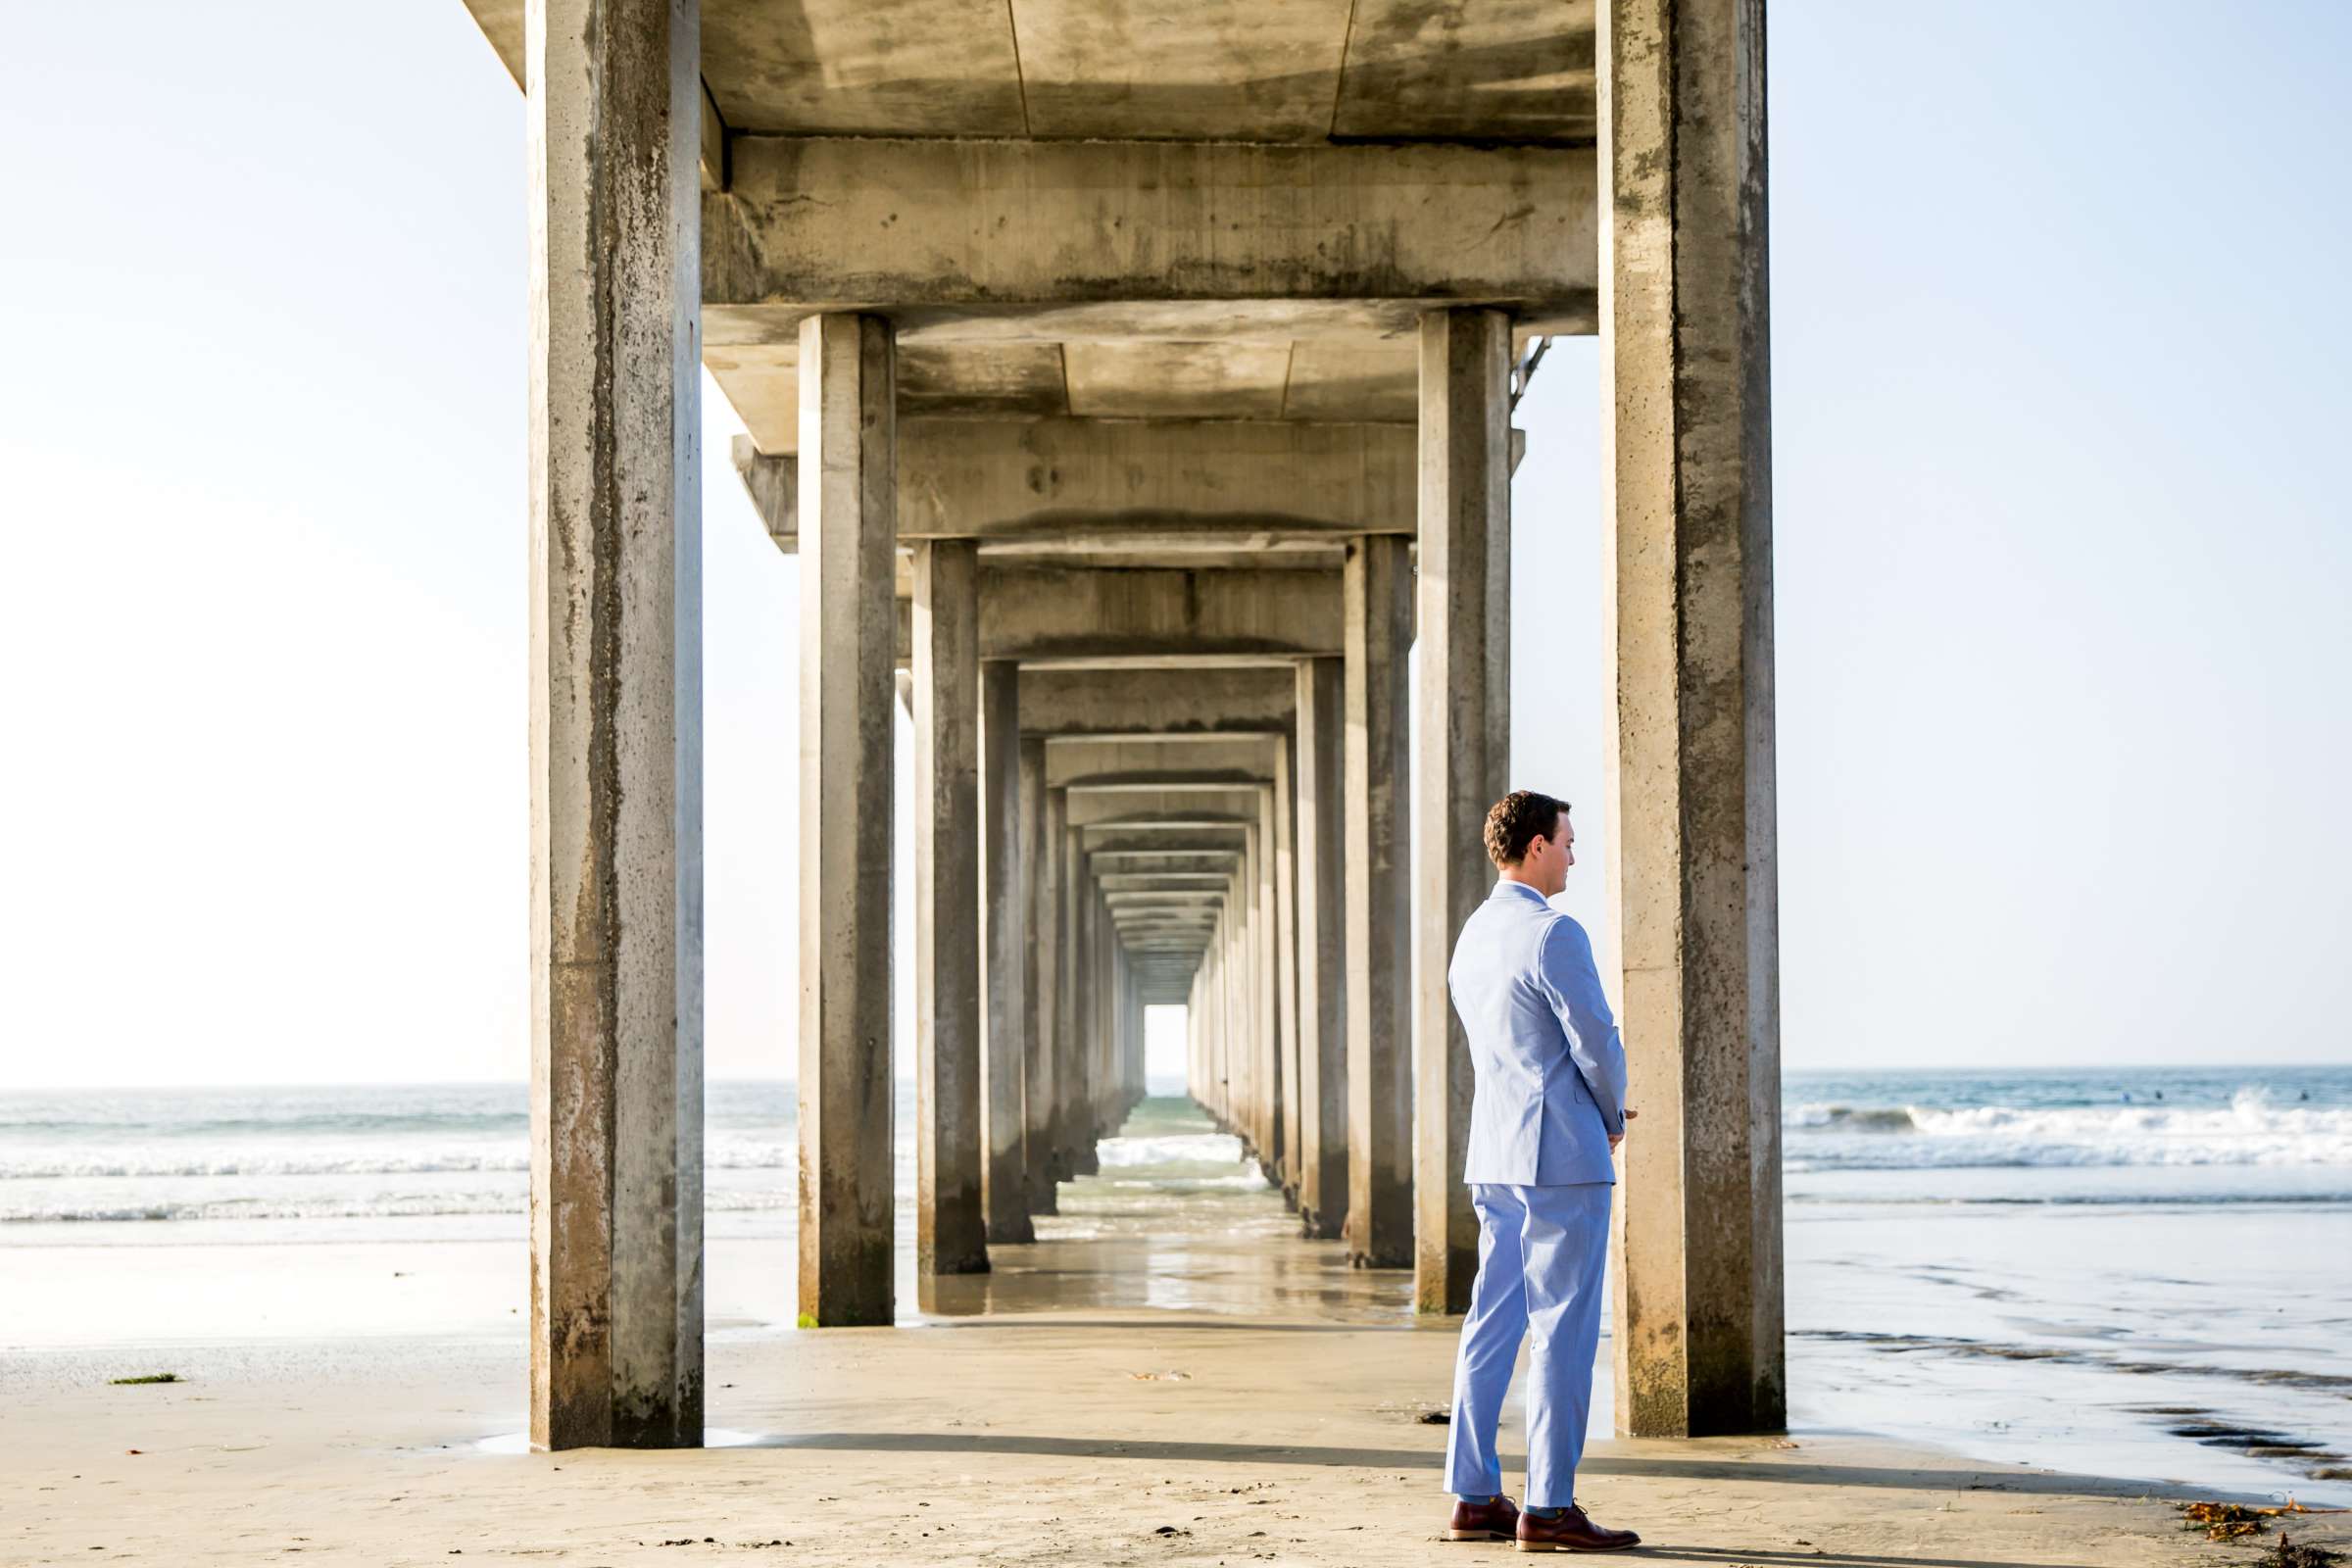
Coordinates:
<point>2285,1553</point>
<point>145,1377</point>
<point>2234,1521</point>
<point>2221,1521</point>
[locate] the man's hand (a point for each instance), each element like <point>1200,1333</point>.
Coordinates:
<point>1618,1138</point>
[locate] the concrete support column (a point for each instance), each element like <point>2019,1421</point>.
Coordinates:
<point>1687,417</point>
<point>1462,762</point>
<point>1039,853</point>
<point>1378,625</point>
<point>617,810</point>
<point>1257,1023</point>
<point>1005,942</point>
<point>1077,1034</point>
<point>849,483</point>
<point>950,1225</point>
<point>1322,962</point>
<point>1286,966</point>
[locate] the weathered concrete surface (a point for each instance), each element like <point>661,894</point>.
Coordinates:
<point>1086,1040</point>
<point>949,1217</point>
<point>1377,813</point>
<point>1282,806</point>
<point>616,890</point>
<point>1689,513</point>
<point>1462,760</point>
<point>1507,71</point>
<point>1027,485</point>
<point>1107,702</point>
<point>838,224</point>
<point>1044,612</point>
<point>847,638</point>
<point>1009,482</point>
<point>1041,837</point>
<point>1322,951</point>
<point>1110,761</point>
<point>1004,941</point>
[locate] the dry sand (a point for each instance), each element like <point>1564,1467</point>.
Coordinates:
<point>1066,1438</point>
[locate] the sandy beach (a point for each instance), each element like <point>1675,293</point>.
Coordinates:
<point>1170,1374</point>
<point>1054,1438</point>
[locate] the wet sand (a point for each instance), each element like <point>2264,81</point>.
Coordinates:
<point>1091,1437</point>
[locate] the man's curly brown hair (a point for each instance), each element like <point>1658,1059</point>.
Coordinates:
<point>1517,820</point>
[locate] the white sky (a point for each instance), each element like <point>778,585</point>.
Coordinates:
<point>2060,353</point>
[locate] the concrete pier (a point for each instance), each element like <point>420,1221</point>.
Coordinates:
<point>950,1223</point>
<point>1039,861</point>
<point>1142,431</point>
<point>1688,389</point>
<point>1462,762</point>
<point>1322,951</point>
<point>616,869</point>
<point>847,498</point>
<point>1005,944</point>
<point>1377,811</point>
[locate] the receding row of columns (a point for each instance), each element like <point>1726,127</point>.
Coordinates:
<point>1314,967</point>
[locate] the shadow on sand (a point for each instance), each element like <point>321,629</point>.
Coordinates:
<point>1782,1472</point>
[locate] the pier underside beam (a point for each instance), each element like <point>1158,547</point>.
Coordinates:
<point>1011,240</point>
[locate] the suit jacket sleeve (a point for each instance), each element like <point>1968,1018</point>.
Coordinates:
<point>1572,982</point>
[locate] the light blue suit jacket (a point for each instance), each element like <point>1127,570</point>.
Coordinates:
<point>1551,1066</point>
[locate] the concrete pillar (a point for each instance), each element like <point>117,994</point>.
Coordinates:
<point>950,1225</point>
<point>1376,815</point>
<point>1077,1038</point>
<point>617,810</point>
<point>1005,942</point>
<point>1322,961</point>
<point>847,641</point>
<point>1257,997</point>
<point>1462,762</point>
<point>1687,417</point>
<point>1268,953</point>
<point>1041,836</point>
<point>1286,964</point>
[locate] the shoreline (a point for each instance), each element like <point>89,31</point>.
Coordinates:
<point>1052,1437</point>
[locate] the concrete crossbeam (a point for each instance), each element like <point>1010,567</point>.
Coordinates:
<point>1198,701</point>
<point>938,231</point>
<point>1150,761</point>
<point>1059,613</point>
<point>1023,484</point>
<point>1165,835</point>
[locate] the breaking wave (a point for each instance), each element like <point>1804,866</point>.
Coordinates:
<point>2251,1130</point>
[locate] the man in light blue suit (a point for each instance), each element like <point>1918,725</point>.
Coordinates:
<point>1547,1119</point>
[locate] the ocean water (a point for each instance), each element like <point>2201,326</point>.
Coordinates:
<point>2141,1272</point>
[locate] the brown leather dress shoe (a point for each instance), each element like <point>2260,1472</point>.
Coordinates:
<point>1483,1521</point>
<point>1570,1531</point>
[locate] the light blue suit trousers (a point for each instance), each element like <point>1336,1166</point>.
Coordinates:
<point>1542,1254</point>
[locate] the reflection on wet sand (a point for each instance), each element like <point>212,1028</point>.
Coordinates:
<point>1175,1219</point>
